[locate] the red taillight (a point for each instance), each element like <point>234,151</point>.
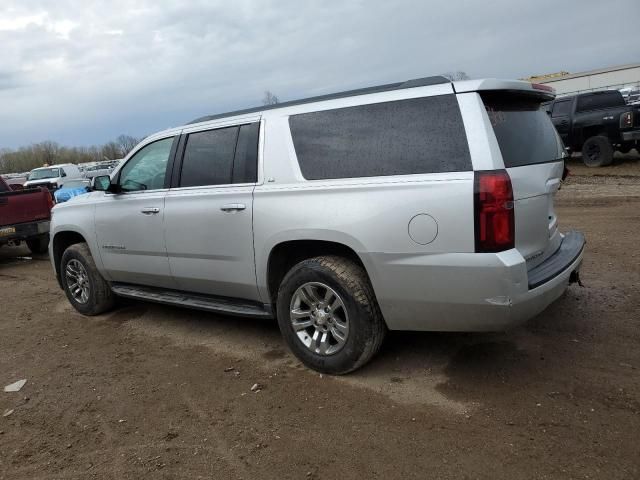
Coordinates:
<point>540,86</point>
<point>626,120</point>
<point>49,199</point>
<point>494,216</point>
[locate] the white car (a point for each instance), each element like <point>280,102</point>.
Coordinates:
<point>421,205</point>
<point>53,177</point>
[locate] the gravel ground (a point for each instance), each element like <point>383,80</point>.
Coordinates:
<point>156,392</point>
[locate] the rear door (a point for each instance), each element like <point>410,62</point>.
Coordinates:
<point>533,156</point>
<point>209,212</point>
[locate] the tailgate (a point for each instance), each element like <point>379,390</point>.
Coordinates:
<point>23,206</point>
<point>533,156</point>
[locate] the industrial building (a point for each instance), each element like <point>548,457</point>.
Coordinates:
<point>621,77</point>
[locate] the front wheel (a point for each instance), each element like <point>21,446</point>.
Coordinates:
<point>85,288</point>
<point>329,316</point>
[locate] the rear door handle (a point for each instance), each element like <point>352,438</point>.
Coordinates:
<point>233,207</point>
<point>150,210</point>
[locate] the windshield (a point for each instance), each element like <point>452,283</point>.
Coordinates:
<point>43,173</point>
<point>524,131</point>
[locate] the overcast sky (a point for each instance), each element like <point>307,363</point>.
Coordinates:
<point>83,72</point>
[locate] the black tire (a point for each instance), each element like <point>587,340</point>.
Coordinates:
<point>366,325</point>
<point>100,297</point>
<point>38,245</point>
<point>597,152</point>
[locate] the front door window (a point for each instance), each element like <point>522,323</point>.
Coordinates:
<point>147,169</point>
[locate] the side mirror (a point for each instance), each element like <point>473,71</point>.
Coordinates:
<point>101,183</point>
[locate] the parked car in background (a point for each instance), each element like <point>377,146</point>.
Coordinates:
<point>631,95</point>
<point>24,216</point>
<point>53,177</point>
<point>597,124</point>
<point>100,169</point>
<point>422,205</point>
<point>72,189</point>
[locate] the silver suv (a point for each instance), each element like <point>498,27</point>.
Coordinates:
<point>422,205</point>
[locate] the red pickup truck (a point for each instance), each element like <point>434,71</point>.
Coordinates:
<point>25,215</point>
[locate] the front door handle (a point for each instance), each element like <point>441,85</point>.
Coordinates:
<point>233,207</point>
<point>150,210</point>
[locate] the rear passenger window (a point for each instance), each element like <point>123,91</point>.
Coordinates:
<point>208,157</point>
<point>422,135</point>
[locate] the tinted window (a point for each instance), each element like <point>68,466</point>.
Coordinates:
<point>245,168</point>
<point>147,169</point>
<point>422,135</point>
<point>524,131</point>
<point>208,157</point>
<point>561,108</point>
<point>594,101</point>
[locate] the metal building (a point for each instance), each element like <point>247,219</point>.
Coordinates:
<point>618,78</point>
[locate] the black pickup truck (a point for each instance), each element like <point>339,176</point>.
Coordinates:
<point>596,123</point>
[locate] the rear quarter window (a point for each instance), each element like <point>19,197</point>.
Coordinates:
<point>423,135</point>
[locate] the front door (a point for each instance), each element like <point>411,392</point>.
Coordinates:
<point>208,213</point>
<point>130,223</point>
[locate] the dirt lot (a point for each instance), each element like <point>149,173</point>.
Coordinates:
<point>156,392</point>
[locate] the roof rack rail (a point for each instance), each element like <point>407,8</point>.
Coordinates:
<point>418,82</point>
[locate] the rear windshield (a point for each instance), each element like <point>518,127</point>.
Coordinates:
<point>524,130</point>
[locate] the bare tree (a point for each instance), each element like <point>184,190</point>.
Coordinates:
<point>110,151</point>
<point>47,151</point>
<point>126,142</point>
<point>455,76</point>
<point>269,98</point>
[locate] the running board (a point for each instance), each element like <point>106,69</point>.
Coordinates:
<point>209,303</point>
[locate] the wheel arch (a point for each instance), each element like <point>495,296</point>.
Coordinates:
<point>285,254</point>
<point>60,242</point>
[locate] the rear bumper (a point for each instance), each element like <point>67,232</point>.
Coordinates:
<point>630,136</point>
<point>22,231</point>
<point>467,292</point>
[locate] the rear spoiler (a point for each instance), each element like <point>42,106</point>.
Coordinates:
<point>544,92</point>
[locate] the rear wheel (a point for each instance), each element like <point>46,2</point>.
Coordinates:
<point>39,244</point>
<point>85,288</point>
<point>597,152</point>
<point>328,314</point>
